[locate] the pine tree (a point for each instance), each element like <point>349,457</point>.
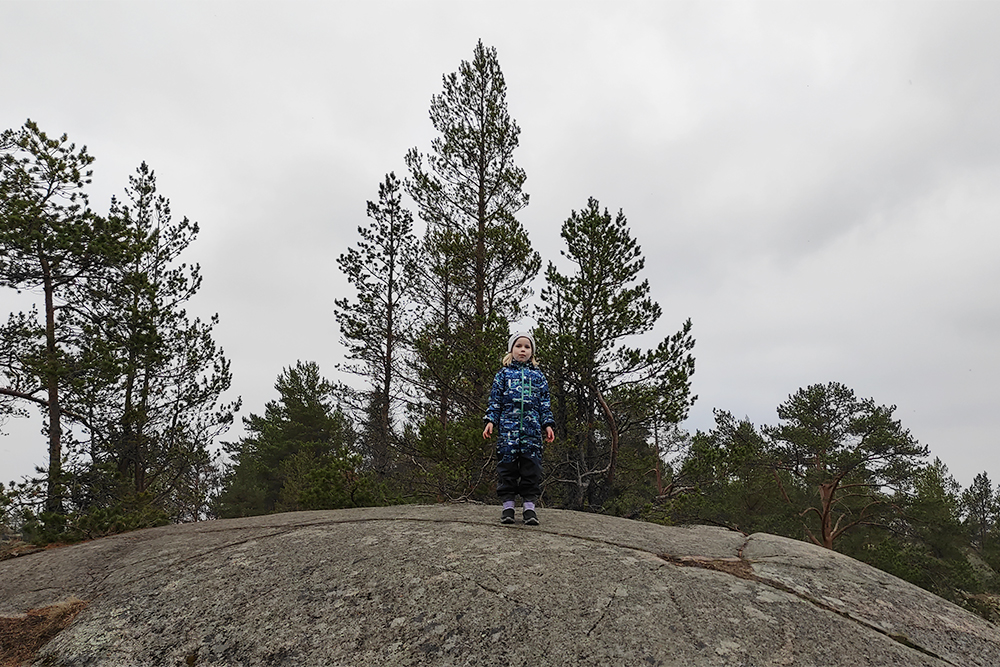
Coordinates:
<point>849,450</point>
<point>154,403</point>
<point>477,265</point>
<point>298,455</point>
<point>981,508</point>
<point>473,189</point>
<point>587,317</point>
<point>375,326</point>
<point>729,483</point>
<point>51,243</point>
<point>933,511</point>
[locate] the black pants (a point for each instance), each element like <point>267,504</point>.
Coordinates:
<point>520,477</point>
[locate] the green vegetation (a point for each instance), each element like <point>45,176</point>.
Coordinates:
<point>842,473</point>
<point>603,391</point>
<point>299,455</point>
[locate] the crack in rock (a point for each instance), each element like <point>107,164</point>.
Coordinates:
<point>743,569</point>
<point>180,561</point>
<point>607,607</point>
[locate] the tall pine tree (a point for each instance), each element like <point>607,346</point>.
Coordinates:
<point>51,243</point>
<point>478,262</point>
<point>154,400</point>
<point>587,317</point>
<point>849,450</point>
<point>375,325</point>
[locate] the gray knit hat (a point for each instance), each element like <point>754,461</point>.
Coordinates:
<point>520,334</point>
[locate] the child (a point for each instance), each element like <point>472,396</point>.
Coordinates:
<point>520,407</point>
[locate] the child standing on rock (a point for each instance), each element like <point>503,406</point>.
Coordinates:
<point>520,408</point>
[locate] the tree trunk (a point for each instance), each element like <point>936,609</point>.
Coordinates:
<point>382,438</point>
<point>826,494</point>
<point>612,431</point>
<point>53,491</point>
<point>481,242</point>
<point>581,489</point>
<point>656,443</point>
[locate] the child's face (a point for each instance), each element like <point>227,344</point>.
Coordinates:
<point>522,349</point>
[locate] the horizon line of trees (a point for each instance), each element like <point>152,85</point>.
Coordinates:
<point>131,386</point>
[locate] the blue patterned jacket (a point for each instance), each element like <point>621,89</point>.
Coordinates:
<point>520,409</point>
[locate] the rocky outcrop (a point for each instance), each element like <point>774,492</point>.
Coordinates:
<point>449,585</point>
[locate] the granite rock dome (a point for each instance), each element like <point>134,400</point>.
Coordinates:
<point>449,585</point>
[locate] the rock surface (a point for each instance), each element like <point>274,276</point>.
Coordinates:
<point>449,585</point>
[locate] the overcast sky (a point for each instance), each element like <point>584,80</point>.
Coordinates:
<point>814,184</point>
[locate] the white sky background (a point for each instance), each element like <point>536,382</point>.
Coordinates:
<point>813,184</point>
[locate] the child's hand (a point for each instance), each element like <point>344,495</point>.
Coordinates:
<point>488,431</point>
<point>550,435</point>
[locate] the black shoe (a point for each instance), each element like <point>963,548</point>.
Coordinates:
<point>507,516</point>
<point>530,518</point>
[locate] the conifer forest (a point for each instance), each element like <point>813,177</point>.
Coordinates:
<point>134,394</point>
